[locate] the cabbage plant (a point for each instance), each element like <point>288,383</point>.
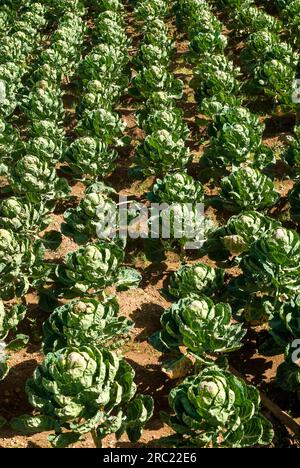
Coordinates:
<point>105,64</point>
<point>158,101</point>
<point>103,124</point>
<point>291,152</point>
<point>145,11</point>
<point>80,322</point>
<point>155,32</point>
<point>235,137</point>
<point>264,46</point>
<point>247,188</point>
<point>150,54</point>
<point>99,94</point>
<point>205,33</point>
<point>288,374</point>
<point>77,390</point>
<point>180,226</point>
<point>90,158</point>
<point>215,81</point>
<point>272,64</point>
<point>291,16</point>
<point>196,279</point>
<point>156,78</point>
<point>44,103</point>
<point>248,18</point>
<point>177,188</point>
<point>110,32</point>
<point>205,329</point>
<point>255,309</point>
<point>169,120</point>
<point>37,180</point>
<point>217,409</point>
<point>47,141</point>
<point>162,152</point>
<point>272,265</point>
<point>10,317</point>
<point>83,223</point>
<point>19,215</point>
<point>10,144</point>
<point>20,263</point>
<point>285,323</point>
<point>236,237</point>
<point>95,267</point>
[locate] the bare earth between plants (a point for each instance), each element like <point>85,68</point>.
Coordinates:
<point>145,304</point>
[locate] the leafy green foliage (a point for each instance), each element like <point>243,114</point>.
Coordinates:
<point>156,78</point>
<point>256,310</point>
<point>272,264</point>
<point>4,369</point>
<point>16,48</point>
<point>150,54</point>
<point>169,120</point>
<point>204,29</point>
<point>145,11</point>
<point>47,141</point>
<point>159,101</point>
<point>291,151</point>
<point>20,215</point>
<point>9,146</point>
<point>37,180</point>
<point>215,81</point>
<point>234,4</point>
<point>10,318</point>
<point>90,158</point>
<point>104,124</point>
<point>94,267</point>
<point>177,188</point>
<point>104,64</point>
<point>237,236</point>
<point>60,59</point>
<point>215,408</point>
<point>285,323</point>
<point>288,374</point>
<point>75,388</point>
<point>247,188</point>
<point>291,16</point>
<point>196,279</point>
<point>272,64</point>
<point>20,263</point>
<point>112,33</point>
<point>162,152</point>
<point>84,222</point>
<point>235,137</point>
<point>203,327</point>
<point>87,321</point>
<point>251,19</point>
<point>155,32</point>
<point>182,226</point>
<point>99,94</point>
<point>44,103</point>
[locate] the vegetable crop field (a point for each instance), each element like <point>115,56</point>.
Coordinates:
<point>119,118</point>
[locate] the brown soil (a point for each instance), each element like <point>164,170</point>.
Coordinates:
<point>145,304</point>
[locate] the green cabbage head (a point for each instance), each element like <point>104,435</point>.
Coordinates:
<point>217,409</point>
<point>85,321</point>
<point>83,389</point>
